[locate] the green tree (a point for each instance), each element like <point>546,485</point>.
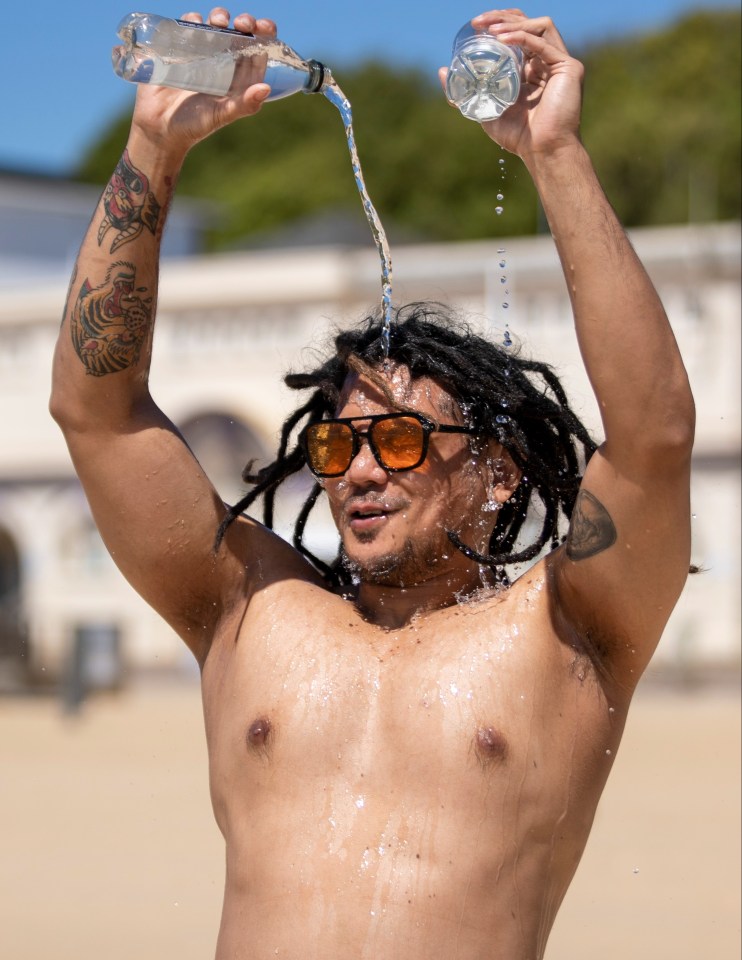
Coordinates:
<point>662,120</point>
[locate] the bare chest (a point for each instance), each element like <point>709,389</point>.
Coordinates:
<point>413,775</point>
<point>319,696</point>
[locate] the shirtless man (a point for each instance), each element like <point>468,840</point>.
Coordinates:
<point>396,774</point>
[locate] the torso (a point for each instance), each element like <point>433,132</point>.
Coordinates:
<point>423,793</point>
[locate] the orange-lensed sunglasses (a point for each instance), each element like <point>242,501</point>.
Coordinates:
<point>398,441</point>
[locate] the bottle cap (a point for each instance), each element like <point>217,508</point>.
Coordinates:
<point>317,72</point>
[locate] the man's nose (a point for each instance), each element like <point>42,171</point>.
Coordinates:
<point>364,468</point>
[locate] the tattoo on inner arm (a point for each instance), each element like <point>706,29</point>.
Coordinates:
<point>109,323</point>
<point>129,205</point>
<point>591,529</point>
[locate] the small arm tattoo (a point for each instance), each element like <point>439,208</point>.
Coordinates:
<point>591,530</point>
<point>129,204</point>
<point>109,323</point>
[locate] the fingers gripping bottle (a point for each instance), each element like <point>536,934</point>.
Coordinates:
<point>206,59</point>
<point>484,76</point>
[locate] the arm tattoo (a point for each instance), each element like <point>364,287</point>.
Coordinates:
<point>129,205</point>
<point>109,322</point>
<point>591,529</point>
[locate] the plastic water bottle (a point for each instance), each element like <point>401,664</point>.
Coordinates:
<point>206,59</point>
<point>484,76</point>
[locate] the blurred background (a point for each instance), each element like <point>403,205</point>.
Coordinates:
<point>107,834</point>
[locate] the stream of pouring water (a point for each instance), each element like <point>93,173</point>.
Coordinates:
<point>335,95</point>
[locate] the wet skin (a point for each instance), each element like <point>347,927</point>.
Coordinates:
<point>402,774</point>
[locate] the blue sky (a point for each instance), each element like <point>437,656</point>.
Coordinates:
<point>61,91</point>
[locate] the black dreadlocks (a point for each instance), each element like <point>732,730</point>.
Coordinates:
<point>518,402</point>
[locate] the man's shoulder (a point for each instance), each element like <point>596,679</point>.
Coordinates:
<point>527,595</point>
<point>529,588</point>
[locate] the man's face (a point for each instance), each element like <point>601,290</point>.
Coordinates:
<point>393,525</point>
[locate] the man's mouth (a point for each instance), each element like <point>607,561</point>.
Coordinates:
<point>368,516</point>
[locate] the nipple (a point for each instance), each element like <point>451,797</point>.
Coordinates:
<point>490,745</point>
<point>258,734</point>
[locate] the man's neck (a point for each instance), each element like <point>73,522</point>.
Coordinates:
<point>392,607</point>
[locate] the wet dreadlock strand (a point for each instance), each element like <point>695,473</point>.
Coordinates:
<point>518,402</point>
<point>295,460</point>
<point>329,573</point>
<point>268,479</point>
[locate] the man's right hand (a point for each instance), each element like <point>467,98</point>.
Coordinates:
<point>179,119</point>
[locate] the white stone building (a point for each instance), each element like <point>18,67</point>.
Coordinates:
<point>231,325</point>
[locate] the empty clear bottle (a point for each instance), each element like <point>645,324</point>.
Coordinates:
<point>206,59</point>
<point>484,76</point>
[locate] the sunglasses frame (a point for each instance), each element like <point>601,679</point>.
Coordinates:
<point>427,426</point>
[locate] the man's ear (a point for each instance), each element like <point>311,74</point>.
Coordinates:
<point>505,474</point>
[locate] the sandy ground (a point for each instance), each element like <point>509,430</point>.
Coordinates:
<point>108,849</point>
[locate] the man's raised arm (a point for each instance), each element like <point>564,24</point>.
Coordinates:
<point>155,509</point>
<point>627,553</point>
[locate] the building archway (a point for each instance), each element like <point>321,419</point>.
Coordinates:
<point>12,632</point>
<point>223,445</point>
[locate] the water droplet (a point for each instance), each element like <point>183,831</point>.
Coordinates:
<point>503,279</point>
<point>502,264</point>
<point>611,710</point>
<point>501,162</point>
<point>636,870</point>
<point>505,305</point>
<point>498,210</point>
<point>500,196</point>
<point>501,249</point>
<point>608,753</point>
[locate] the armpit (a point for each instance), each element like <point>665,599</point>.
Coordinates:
<point>592,648</point>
